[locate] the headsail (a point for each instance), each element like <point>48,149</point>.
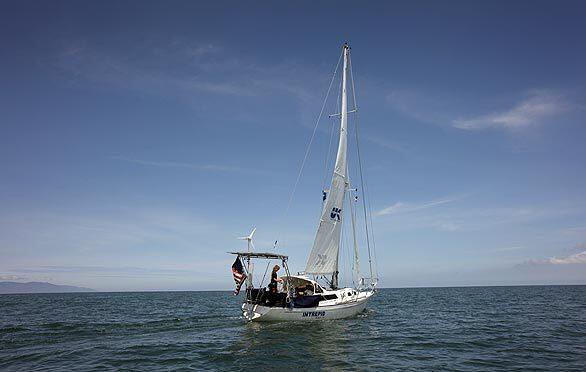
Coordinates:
<point>323,258</point>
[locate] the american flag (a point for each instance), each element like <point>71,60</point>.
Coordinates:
<point>239,276</point>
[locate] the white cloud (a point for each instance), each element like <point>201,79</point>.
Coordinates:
<point>400,207</point>
<point>576,258</point>
<point>11,277</point>
<point>535,109</point>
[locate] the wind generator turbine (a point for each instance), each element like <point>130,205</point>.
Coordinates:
<point>249,239</point>
<point>250,247</point>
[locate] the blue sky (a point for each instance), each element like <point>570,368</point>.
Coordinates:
<point>138,140</point>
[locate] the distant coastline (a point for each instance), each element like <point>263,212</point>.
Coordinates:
<point>39,287</point>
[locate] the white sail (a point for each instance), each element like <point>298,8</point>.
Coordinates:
<point>323,258</point>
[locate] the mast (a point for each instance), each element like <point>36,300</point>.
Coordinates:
<point>323,259</point>
<point>341,166</point>
<point>342,151</point>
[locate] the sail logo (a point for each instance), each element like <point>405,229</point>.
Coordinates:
<point>322,259</point>
<point>307,314</point>
<point>335,214</point>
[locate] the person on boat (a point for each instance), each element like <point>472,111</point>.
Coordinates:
<point>274,279</point>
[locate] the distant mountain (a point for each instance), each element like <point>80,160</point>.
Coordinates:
<point>39,287</point>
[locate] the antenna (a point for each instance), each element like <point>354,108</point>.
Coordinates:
<point>249,239</point>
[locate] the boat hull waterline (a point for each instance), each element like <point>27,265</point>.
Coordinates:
<point>260,313</point>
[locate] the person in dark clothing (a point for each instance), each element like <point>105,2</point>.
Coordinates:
<point>274,279</point>
<point>272,295</point>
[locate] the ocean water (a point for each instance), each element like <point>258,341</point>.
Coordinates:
<point>469,329</point>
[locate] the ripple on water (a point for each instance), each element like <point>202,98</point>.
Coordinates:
<point>469,329</point>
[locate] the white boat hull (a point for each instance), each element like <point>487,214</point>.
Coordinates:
<point>259,313</point>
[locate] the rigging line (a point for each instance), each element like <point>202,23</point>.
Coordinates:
<point>326,164</point>
<point>338,110</point>
<point>265,274</point>
<point>360,167</point>
<point>343,248</point>
<point>329,153</point>
<point>356,263</point>
<point>350,262</point>
<point>349,266</point>
<point>372,231</point>
<point>312,136</point>
<point>258,294</point>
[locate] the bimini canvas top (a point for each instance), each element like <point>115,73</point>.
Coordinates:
<point>265,255</point>
<point>298,280</point>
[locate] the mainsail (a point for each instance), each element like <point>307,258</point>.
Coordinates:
<point>323,259</point>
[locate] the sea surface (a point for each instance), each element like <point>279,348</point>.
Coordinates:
<point>535,328</point>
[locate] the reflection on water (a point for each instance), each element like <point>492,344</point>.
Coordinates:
<point>314,344</point>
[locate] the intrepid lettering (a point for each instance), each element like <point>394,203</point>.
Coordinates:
<point>313,313</point>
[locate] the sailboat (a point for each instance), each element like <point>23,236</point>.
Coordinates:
<point>315,293</point>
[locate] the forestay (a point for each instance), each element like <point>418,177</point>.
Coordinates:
<point>323,258</point>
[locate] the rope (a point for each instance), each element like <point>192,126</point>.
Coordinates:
<point>327,162</point>
<point>372,233</point>
<point>310,142</point>
<point>329,153</point>
<point>361,171</point>
<point>312,137</point>
<point>286,212</point>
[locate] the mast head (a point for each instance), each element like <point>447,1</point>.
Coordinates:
<point>346,46</point>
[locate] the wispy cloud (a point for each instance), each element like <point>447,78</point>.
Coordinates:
<point>112,231</point>
<point>192,166</point>
<point>426,108</point>
<point>579,231</point>
<point>12,277</point>
<point>576,258</point>
<point>446,215</point>
<point>180,69</point>
<point>447,226</point>
<point>401,207</point>
<point>535,109</point>
<point>384,143</point>
<point>123,271</point>
<point>509,249</point>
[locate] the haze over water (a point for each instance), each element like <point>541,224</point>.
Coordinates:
<point>471,329</point>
